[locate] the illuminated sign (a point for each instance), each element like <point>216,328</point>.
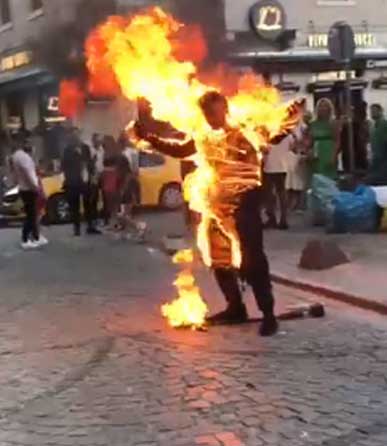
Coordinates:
<point>268,19</point>
<point>53,104</point>
<point>362,40</point>
<point>330,76</point>
<point>16,60</point>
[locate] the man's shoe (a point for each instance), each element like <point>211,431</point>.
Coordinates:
<point>283,226</point>
<point>229,316</point>
<point>269,326</point>
<point>77,232</point>
<point>42,241</point>
<point>29,246</point>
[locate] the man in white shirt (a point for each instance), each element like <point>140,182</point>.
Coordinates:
<point>24,170</point>
<point>275,171</point>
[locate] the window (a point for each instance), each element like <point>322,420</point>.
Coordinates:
<point>36,5</point>
<point>5,11</point>
<point>151,159</point>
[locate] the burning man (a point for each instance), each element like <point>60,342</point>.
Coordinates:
<point>233,199</point>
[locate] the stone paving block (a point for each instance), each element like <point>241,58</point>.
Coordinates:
<point>199,404</point>
<point>229,439</point>
<point>207,441</point>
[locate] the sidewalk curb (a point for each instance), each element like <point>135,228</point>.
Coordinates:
<point>341,296</point>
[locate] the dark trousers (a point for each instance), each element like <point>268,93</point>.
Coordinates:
<point>30,227</point>
<point>255,266</point>
<point>77,195</point>
<point>275,187</point>
<point>93,201</point>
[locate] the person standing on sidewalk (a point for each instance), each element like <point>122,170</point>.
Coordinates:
<point>24,170</point>
<point>274,181</point>
<point>77,169</point>
<point>97,154</point>
<point>377,175</point>
<point>325,139</point>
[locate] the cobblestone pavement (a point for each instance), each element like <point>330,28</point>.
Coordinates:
<point>86,359</point>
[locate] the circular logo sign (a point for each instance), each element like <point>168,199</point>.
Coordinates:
<point>268,19</point>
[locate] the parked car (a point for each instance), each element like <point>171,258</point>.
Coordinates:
<point>160,185</point>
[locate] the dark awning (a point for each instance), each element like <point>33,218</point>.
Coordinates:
<point>326,86</point>
<point>302,55</point>
<point>24,79</point>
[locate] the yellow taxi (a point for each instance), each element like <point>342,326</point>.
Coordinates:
<point>159,180</point>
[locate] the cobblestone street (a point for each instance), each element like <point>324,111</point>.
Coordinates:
<point>87,360</point>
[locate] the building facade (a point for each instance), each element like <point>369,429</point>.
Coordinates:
<point>287,40</point>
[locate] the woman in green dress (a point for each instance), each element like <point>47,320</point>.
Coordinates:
<point>324,139</point>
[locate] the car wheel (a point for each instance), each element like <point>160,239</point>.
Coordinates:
<point>58,210</point>
<point>171,197</point>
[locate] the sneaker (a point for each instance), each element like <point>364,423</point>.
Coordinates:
<point>229,316</point>
<point>269,326</point>
<point>42,241</point>
<point>29,246</point>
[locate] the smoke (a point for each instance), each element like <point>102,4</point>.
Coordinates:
<point>209,15</point>
<point>60,45</point>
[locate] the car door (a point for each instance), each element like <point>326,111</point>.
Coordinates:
<point>151,176</point>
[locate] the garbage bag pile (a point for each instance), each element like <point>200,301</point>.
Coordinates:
<point>342,211</point>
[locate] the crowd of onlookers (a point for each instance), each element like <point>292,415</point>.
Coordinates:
<point>103,174</point>
<point>320,145</point>
<point>100,180</point>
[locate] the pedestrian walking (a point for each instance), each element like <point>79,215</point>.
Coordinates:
<point>24,170</point>
<point>127,188</point>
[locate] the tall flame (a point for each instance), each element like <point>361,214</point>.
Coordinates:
<point>148,55</point>
<point>189,309</point>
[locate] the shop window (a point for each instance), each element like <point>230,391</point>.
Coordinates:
<point>5,12</point>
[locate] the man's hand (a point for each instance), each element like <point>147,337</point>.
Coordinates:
<point>141,130</point>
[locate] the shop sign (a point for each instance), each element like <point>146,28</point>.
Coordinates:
<point>268,19</point>
<point>332,76</point>
<point>16,60</point>
<point>362,40</point>
<point>376,64</point>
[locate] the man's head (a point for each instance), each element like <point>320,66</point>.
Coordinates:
<point>376,112</point>
<point>96,140</point>
<point>215,109</point>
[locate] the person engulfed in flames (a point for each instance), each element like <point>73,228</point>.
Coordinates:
<point>231,228</point>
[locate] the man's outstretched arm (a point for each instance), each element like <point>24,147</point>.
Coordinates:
<point>174,149</point>
<point>290,122</point>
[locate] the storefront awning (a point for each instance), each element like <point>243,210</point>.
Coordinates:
<point>304,54</point>
<point>24,79</point>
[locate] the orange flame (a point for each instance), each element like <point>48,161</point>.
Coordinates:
<point>71,98</point>
<point>189,309</point>
<point>148,55</point>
